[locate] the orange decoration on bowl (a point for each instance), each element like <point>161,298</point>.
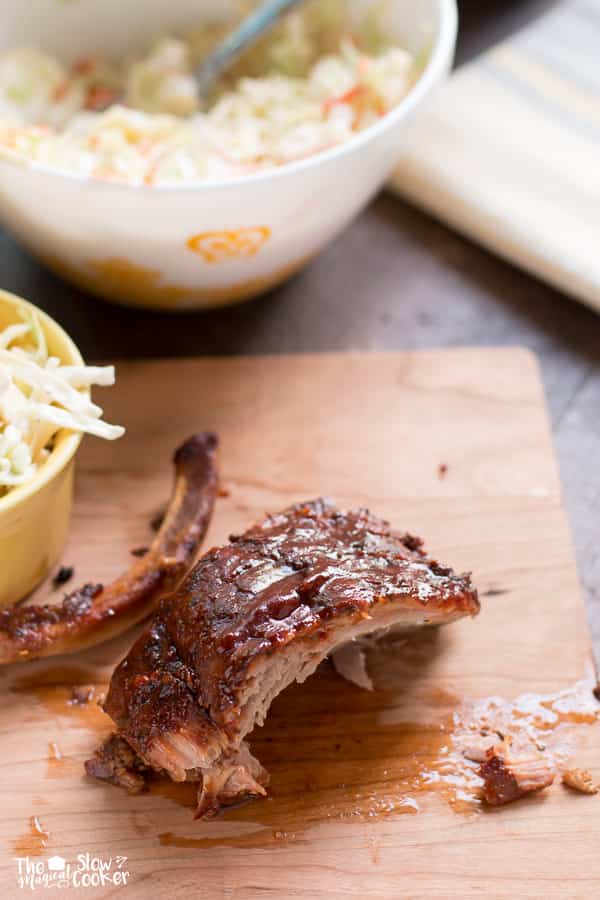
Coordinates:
<point>219,246</point>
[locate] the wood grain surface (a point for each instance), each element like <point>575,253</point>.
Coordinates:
<point>368,430</point>
<point>396,279</point>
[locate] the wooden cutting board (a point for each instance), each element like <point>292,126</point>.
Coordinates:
<point>368,430</point>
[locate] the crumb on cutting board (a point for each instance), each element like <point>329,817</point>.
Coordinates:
<point>580,780</point>
<point>64,574</point>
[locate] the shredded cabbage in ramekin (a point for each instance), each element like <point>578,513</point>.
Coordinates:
<point>39,397</point>
<point>311,85</point>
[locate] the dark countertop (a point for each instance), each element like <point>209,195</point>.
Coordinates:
<point>396,279</point>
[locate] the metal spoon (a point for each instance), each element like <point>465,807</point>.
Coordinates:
<point>250,29</point>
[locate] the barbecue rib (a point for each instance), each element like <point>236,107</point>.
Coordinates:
<point>510,772</point>
<point>249,619</point>
<point>95,613</point>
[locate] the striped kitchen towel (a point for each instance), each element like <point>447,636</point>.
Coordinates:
<point>508,152</point>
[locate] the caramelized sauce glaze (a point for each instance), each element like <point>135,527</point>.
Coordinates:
<point>32,842</point>
<point>335,753</point>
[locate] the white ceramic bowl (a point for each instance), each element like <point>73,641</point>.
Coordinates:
<point>185,246</point>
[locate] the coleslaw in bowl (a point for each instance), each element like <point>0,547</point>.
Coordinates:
<point>321,77</point>
<point>39,396</point>
<point>41,427</point>
<point>176,244</point>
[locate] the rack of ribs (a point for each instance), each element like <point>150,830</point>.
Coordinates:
<point>249,619</point>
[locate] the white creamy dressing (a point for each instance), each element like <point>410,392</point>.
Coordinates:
<point>140,121</point>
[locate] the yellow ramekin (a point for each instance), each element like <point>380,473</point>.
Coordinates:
<point>34,517</point>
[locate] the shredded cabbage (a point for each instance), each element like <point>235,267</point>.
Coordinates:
<point>39,397</point>
<point>311,84</point>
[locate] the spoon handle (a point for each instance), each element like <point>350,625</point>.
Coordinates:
<point>247,33</point>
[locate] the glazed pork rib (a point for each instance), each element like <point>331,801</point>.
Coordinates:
<point>96,613</point>
<point>250,618</point>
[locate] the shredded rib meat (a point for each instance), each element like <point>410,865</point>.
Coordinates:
<point>580,780</point>
<point>252,617</point>
<point>95,613</point>
<point>118,763</point>
<point>511,771</point>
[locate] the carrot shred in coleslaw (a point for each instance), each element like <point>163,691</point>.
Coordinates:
<point>312,84</point>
